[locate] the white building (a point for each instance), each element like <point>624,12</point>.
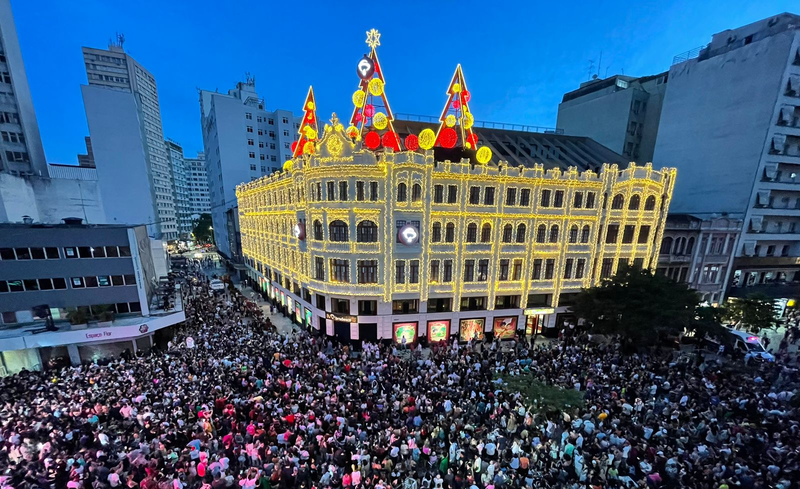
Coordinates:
<point>197,182</point>
<point>180,188</point>
<point>242,141</point>
<point>730,123</point>
<point>21,151</point>
<point>121,102</point>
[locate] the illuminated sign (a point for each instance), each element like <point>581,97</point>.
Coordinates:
<point>505,328</point>
<point>308,317</point>
<point>438,330</point>
<point>471,329</point>
<point>365,68</point>
<point>344,318</point>
<point>298,312</point>
<point>283,298</point>
<point>408,234</point>
<point>299,231</point>
<point>405,333</point>
<point>535,311</point>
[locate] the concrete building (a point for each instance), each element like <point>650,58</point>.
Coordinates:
<point>21,151</point>
<point>730,123</point>
<point>127,141</point>
<point>106,272</point>
<point>197,181</point>
<point>180,188</point>
<point>366,246</point>
<point>699,252</point>
<point>87,159</point>
<point>49,200</point>
<point>242,142</point>
<point>620,112</point>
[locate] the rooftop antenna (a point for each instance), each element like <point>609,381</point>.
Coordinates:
<point>599,63</point>
<point>590,70</point>
<point>250,79</point>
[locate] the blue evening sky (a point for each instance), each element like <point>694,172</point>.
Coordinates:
<point>519,58</point>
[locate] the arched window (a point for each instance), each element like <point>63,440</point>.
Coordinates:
<point>416,192</point>
<point>634,203</point>
<point>521,233</point>
<point>573,234</point>
<point>401,192</point>
<point>650,203</point>
<point>680,245</point>
<point>436,232</point>
<point>585,234</point>
<point>317,230</point>
<point>554,233</point>
<point>367,232</point>
<point>618,202</point>
<point>338,231</point>
<point>450,232</point>
<point>508,231</point>
<point>541,233</point>
<point>472,233</point>
<point>666,246</point>
<point>486,233</point>
<point>689,246</point>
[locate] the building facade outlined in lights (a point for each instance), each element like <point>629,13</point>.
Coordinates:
<point>367,246</point>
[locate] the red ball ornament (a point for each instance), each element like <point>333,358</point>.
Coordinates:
<point>448,137</point>
<point>310,118</point>
<point>473,140</point>
<point>294,146</point>
<point>456,104</point>
<point>372,140</point>
<point>465,95</point>
<point>358,118</point>
<point>369,110</point>
<point>390,141</point>
<point>412,142</point>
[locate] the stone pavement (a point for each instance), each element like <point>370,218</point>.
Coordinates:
<point>282,324</point>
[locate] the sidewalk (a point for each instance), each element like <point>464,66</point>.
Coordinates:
<point>282,324</point>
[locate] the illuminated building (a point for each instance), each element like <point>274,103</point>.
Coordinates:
<point>365,243</point>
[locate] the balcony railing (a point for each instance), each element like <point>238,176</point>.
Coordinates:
<point>690,54</point>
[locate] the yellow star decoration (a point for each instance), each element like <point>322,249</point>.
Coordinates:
<point>373,38</point>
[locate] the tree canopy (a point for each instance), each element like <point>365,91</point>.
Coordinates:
<point>203,232</point>
<point>753,313</point>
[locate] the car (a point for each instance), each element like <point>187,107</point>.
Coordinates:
<point>217,284</point>
<point>749,345</point>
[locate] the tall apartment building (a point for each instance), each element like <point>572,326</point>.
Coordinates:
<point>133,168</point>
<point>180,188</point>
<point>87,160</point>
<point>197,182</point>
<point>21,151</point>
<point>730,123</point>
<point>242,141</point>
<point>619,112</point>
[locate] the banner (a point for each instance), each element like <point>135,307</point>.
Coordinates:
<point>438,330</point>
<point>472,329</point>
<point>505,328</point>
<point>405,331</point>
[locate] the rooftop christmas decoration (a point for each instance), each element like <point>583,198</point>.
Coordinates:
<point>308,128</point>
<point>456,121</point>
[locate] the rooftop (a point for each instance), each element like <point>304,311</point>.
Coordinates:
<point>36,225</point>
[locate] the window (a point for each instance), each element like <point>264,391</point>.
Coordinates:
<point>401,192</point>
<point>252,167</point>
<point>447,271</point>
<point>367,232</point>
<point>8,253</point>
<point>340,270</point>
<point>558,200</point>
<point>554,233</point>
<point>436,232</point>
<point>545,202</point>
<point>439,305</point>
<point>413,272</point>
<point>508,231</point>
<point>434,276</point>
<point>449,232</point>
<point>248,115</point>
<point>368,308</point>
<point>331,190</point>
<point>416,192</point>
<point>606,267</point>
<point>367,271</point>
<point>250,142</point>
<point>541,233</point>
<point>537,269</point>
<point>45,284</point>
<point>104,281</point>
<point>503,269</point>
<point>23,253</point>
<point>77,283</point>
<point>438,194</point>
<point>406,306</point>
<point>83,252</point>
<point>400,272</point>
<point>253,156</point>
<point>634,203</point>
<point>469,271</point>
<point>525,197</point>
<point>373,191</point>
<point>627,233</point>
<point>666,246</point>
<point>644,234</point>
<point>337,231</point>
<point>475,195</point>
<point>488,196</point>
<point>317,230</point>
<point>452,194</point>
<point>473,303</point>
<point>521,228</point>
<point>549,268</point>
<point>590,200</point>
<point>573,234</point>
<point>31,284</point>
<point>343,191</point>
<point>472,232</point>
<point>577,200</point>
<point>263,168</point>
<point>271,122</point>
<point>650,203</point>
<point>117,280</point>
<point>580,268</point>
<point>511,196</point>
<point>18,286</point>
<point>585,234</point>
<point>319,265</point>
<point>486,233</point>
<point>771,250</point>
<point>611,233</point>
<point>618,202</point>
<point>38,253</point>
<point>483,270</point>
<point>359,191</point>
<point>568,267</point>
<point>516,274</point>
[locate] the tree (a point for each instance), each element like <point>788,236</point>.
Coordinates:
<point>203,231</point>
<point>308,128</point>
<point>638,305</point>
<point>754,313</point>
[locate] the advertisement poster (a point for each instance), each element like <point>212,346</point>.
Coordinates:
<point>298,310</point>
<point>438,330</point>
<point>283,299</point>
<point>471,329</point>
<point>505,328</point>
<point>289,305</point>
<point>308,317</point>
<point>407,331</point>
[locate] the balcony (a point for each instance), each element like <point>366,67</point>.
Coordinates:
<point>766,261</point>
<point>774,290</point>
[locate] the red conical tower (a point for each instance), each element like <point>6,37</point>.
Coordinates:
<point>456,123</point>
<point>308,128</point>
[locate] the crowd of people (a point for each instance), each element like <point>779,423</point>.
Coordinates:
<point>231,403</point>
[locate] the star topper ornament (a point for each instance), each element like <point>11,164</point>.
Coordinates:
<point>373,38</point>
